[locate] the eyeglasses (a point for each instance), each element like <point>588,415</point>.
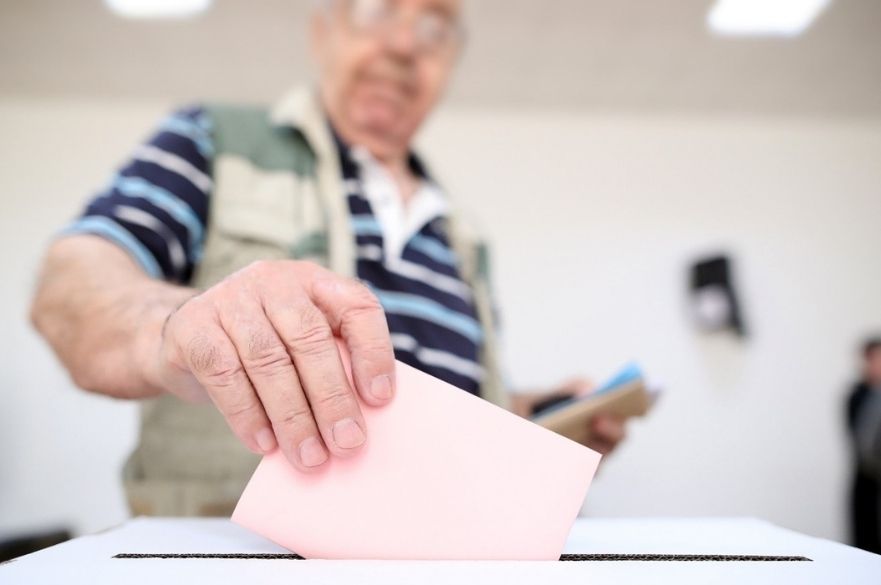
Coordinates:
<point>433,31</point>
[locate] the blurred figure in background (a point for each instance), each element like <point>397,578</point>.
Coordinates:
<point>864,427</point>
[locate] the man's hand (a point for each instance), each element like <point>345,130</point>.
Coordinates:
<point>603,433</point>
<point>261,344</point>
<point>606,431</point>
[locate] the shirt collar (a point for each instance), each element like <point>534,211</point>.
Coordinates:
<point>397,222</point>
<point>300,109</point>
<point>296,108</point>
<point>352,159</point>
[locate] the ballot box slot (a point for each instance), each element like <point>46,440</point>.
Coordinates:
<point>565,557</point>
<point>683,558</point>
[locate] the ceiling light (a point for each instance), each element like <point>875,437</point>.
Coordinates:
<point>157,8</point>
<point>764,17</point>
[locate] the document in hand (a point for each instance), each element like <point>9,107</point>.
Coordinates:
<point>624,395</point>
<point>444,475</point>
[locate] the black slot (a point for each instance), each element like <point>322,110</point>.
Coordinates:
<point>565,557</point>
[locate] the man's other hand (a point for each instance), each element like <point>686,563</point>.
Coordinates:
<point>603,432</point>
<point>606,432</point>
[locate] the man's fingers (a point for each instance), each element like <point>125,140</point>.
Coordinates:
<point>310,342</point>
<point>274,378</point>
<point>212,358</point>
<point>609,429</point>
<point>262,343</point>
<point>355,313</point>
<point>577,386</point>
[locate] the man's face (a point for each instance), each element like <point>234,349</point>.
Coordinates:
<point>383,64</point>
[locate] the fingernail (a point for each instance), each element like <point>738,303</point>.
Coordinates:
<point>312,454</point>
<point>347,434</point>
<point>381,387</point>
<point>265,439</point>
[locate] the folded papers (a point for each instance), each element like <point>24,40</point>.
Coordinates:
<point>624,395</point>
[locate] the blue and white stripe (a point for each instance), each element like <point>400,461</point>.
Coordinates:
<point>113,231</point>
<point>413,305</point>
<point>429,308</point>
<point>193,126</point>
<point>156,206</point>
<point>438,358</point>
<point>418,272</point>
<point>175,164</point>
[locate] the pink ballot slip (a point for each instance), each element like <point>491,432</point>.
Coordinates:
<point>443,475</point>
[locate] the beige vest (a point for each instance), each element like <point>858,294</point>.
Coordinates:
<point>278,194</point>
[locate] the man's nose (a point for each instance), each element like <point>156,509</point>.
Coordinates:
<point>402,41</point>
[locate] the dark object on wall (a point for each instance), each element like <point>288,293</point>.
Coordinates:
<point>22,545</point>
<point>713,298</point>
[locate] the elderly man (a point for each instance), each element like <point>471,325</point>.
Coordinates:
<point>233,248</point>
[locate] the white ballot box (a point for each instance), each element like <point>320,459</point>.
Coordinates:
<point>165,551</point>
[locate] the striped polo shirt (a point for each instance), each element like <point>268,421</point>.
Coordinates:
<point>429,309</point>
<point>156,208</point>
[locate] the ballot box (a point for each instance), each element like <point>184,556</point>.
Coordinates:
<point>166,551</point>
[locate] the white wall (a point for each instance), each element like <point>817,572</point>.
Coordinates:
<point>60,449</point>
<point>593,219</point>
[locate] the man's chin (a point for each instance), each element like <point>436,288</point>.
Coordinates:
<point>382,146</point>
<point>381,136</point>
<point>383,123</point>
<point>381,128</point>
